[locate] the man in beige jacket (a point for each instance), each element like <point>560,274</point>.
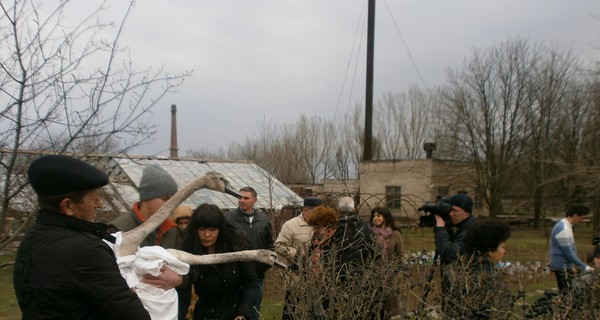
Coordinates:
<point>292,243</point>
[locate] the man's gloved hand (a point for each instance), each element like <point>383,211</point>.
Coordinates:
<point>588,269</point>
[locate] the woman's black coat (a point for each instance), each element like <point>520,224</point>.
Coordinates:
<point>224,290</point>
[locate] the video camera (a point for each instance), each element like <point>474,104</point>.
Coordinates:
<point>431,209</point>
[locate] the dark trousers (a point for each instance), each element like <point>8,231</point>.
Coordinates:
<point>564,278</point>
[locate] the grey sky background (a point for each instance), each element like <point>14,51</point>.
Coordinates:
<point>273,60</point>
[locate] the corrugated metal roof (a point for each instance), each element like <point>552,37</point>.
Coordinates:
<point>271,192</point>
<point>125,174</point>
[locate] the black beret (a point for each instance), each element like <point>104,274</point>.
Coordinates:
<point>55,175</point>
<point>312,202</point>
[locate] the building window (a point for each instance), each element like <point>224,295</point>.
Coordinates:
<point>392,197</point>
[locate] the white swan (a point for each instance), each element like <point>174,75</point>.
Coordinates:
<point>134,261</point>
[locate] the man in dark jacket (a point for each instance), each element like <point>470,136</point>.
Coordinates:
<point>450,244</point>
<point>356,241</point>
<point>255,226</point>
<point>63,269</point>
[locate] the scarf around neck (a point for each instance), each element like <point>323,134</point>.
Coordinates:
<point>164,227</point>
<point>383,236</point>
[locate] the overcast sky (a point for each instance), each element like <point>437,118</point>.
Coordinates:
<point>273,60</point>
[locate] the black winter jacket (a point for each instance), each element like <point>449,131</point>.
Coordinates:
<point>259,233</point>
<point>450,245</point>
<point>64,270</point>
<point>225,290</point>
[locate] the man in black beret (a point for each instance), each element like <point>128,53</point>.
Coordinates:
<point>63,268</point>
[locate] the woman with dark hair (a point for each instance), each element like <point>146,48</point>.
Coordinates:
<point>478,288</point>
<point>390,241</point>
<point>485,242</point>
<point>226,291</point>
<point>387,234</point>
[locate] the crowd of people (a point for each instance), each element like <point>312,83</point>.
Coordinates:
<point>66,269</point>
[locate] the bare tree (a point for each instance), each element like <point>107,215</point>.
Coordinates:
<point>69,88</point>
<point>402,124</point>
<point>275,149</point>
<point>485,102</point>
<point>590,151</point>
<point>314,136</point>
<point>557,107</point>
<point>206,153</point>
<point>350,145</point>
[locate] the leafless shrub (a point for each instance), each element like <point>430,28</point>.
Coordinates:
<point>325,293</point>
<point>331,289</point>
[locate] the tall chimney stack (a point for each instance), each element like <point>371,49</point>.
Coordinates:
<point>174,147</point>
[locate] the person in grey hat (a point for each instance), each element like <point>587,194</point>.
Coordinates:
<point>292,244</point>
<point>63,268</point>
<point>156,187</point>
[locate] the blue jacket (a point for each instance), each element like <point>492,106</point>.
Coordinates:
<point>563,253</point>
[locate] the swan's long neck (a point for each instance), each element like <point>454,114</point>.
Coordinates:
<point>261,255</point>
<point>132,239</point>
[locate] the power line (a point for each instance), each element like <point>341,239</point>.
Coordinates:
<point>405,45</point>
<point>359,26</point>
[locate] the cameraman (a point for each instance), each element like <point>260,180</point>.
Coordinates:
<point>449,244</point>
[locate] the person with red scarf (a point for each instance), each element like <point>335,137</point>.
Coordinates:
<point>155,188</point>
<point>324,221</point>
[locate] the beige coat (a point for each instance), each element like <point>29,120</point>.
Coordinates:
<point>293,239</point>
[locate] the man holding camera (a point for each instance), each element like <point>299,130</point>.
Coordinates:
<point>449,244</point>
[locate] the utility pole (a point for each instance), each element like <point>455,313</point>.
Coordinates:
<point>368,145</point>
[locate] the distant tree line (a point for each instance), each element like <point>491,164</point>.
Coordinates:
<point>525,115</point>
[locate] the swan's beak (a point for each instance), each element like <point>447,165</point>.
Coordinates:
<point>231,191</point>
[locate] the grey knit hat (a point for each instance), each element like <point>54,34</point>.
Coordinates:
<point>156,183</point>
